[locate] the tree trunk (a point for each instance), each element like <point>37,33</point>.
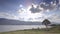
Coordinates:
<point>46,27</point>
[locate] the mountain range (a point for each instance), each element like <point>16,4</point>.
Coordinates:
<point>4,21</point>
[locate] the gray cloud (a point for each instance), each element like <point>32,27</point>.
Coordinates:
<point>51,6</point>
<point>35,10</point>
<point>47,7</point>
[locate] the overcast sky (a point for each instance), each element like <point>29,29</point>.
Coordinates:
<point>30,10</point>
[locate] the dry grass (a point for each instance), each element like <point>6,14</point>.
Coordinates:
<point>28,32</point>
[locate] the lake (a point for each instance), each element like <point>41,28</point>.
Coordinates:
<point>6,28</point>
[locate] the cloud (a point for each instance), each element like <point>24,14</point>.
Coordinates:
<point>35,9</point>
<point>27,15</point>
<point>8,16</point>
<point>54,18</point>
<point>47,6</point>
<point>52,6</point>
<point>39,12</point>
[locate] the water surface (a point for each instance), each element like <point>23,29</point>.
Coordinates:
<point>5,28</point>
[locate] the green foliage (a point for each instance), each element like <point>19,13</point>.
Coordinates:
<point>46,22</point>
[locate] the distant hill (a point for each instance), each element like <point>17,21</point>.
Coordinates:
<point>4,21</point>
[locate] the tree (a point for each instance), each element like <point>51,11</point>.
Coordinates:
<point>46,22</point>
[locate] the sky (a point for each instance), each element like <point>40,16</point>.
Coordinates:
<point>30,10</point>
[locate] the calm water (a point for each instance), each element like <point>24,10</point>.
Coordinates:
<point>5,28</point>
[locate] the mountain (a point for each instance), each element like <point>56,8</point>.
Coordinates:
<point>4,21</point>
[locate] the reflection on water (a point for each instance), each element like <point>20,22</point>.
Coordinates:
<point>5,28</point>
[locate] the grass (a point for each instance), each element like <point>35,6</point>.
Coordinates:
<point>29,32</point>
<point>54,30</point>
